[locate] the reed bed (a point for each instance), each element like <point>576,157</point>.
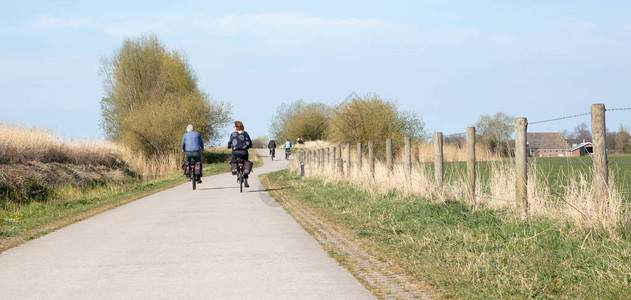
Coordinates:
<point>19,144</point>
<point>495,184</point>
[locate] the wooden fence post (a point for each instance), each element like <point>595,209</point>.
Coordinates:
<point>348,159</point>
<point>309,161</point>
<point>340,164</point>
<point>408,156</point>
<point>389,163</point>
<point>328,155</point>
<point>471,166</point>
<point>322,158</point>
<point>371,158</point>
<point>438,163</point>
<point>334,158</point>
<point>521,167</point>
<point>601,176</point>
<point>359,156</point>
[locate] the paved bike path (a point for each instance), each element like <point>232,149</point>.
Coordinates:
<point>212,243</point>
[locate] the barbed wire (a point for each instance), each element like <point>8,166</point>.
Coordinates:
<point>618,109</point>
<point>561,162</point>
<point>577,115</point>
<point>558,119</point>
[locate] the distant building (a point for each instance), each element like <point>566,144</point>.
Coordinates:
<point>546,144</point>
<point>581,149</point>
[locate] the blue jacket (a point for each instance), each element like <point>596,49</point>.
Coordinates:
<point>192,141</point>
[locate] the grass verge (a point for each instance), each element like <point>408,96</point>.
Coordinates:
<point>472,254</point>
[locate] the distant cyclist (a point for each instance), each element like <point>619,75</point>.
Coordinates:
<point>287,148</point>
<point>272,147</point>
<point>193,146</point>
<point>240,142</point>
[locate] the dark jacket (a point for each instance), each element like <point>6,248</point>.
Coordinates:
<point>192,141</point>
<point>271,144</point>
<point>240,141</point>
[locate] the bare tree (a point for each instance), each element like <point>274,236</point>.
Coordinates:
<point>496,130</point>
<point>582,133</point>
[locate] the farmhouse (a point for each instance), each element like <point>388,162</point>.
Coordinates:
<point>546,144</point>
<point>582,149</point>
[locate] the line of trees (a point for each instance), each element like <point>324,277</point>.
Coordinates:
<point>354,120</point>
<point>152,94</point>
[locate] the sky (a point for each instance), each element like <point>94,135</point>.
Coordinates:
<point>448,61</point>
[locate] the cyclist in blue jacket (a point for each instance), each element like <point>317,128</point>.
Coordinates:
<point>193,145</point>
<point>287,149</point>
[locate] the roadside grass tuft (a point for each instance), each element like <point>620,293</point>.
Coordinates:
<point>485,253</point>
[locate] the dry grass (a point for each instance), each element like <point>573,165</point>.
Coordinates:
<point>453,153</point>
<point>576,203</point>
<point>20,144</point>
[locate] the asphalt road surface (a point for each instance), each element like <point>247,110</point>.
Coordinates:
<point>212,243</point>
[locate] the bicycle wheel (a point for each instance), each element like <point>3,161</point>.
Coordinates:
<point>194,180</point>
<point>241,181</point>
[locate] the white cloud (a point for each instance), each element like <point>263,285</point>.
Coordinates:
<point>47,23</point>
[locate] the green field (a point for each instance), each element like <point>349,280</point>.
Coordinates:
<point>556,171</point>
<point>481,254</point>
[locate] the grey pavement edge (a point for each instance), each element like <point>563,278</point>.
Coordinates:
<point>212,243</point>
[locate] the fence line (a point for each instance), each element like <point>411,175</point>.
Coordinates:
<point>471,192</point>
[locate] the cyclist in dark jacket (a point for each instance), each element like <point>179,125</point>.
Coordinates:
<point>192,145</point>
<point>240,142</point>
<point>272,147</point>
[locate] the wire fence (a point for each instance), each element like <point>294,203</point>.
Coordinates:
<point>560,198</point>
<point>576,116</point>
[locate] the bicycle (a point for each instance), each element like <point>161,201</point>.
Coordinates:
<point>191,172</point>
<point>272,153</point>
<point>240,172</point>
<point>287,153</point>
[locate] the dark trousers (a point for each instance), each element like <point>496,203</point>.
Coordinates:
<point>195,155</point>
<point>245,155</point>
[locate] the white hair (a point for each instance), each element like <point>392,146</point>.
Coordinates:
<point>189,127</point>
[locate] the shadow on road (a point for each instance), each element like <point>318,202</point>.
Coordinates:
<point>219,188</point>
<point>248,190</point>
<point>267,190</point>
